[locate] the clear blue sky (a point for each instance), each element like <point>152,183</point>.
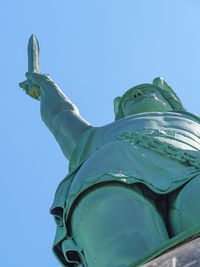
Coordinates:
<point>94,50</point>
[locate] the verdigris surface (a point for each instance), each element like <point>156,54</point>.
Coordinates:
<point>132,184</point>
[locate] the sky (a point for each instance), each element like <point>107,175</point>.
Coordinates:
<point>94,50</point>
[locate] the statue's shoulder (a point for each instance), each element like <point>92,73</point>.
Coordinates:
<point>188,115</point>
<point>89,140</point>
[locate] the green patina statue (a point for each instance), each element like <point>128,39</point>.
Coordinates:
<point>133,185</point>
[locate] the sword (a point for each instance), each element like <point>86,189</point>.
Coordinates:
<point>33,66</point>
<point>33,55</point>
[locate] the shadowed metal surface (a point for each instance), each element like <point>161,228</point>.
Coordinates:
<point>184,256</point>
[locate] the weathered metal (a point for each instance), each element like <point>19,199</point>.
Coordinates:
<point>133,185</point>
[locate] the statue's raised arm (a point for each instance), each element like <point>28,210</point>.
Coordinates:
<point>59,114</point>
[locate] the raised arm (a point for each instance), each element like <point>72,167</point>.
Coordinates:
<point>59,114</point>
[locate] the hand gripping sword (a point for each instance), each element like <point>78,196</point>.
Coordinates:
<point>33,66</point>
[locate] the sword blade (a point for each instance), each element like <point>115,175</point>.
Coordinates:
<point>33,55</point>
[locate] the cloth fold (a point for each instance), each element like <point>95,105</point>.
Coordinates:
<point>167,144</point>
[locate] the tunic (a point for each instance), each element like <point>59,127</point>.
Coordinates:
<point>160,150</point>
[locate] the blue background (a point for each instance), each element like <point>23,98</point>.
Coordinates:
<point>95,51</point>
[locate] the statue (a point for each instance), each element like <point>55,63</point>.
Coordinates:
<point>133,184</point>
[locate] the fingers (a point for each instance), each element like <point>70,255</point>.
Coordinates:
<point>34,83</point>
<point>34,92</point>
<point>37,78</point>
<point>31,89</point>
<point>24,85</point>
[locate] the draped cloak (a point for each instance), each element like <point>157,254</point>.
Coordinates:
<point>158,149</point>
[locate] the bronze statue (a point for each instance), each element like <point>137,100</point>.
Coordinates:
<point>133,184</point>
